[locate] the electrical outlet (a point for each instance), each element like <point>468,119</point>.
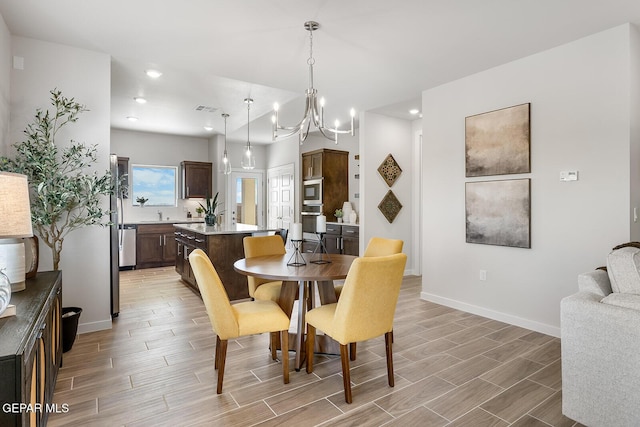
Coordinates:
<point>483,275</point>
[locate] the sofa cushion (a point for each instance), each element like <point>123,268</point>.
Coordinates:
<point>596,281</point>
<point>623,300</point>
<point>623,270</point>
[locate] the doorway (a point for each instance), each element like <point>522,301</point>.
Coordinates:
<point>245,200</point>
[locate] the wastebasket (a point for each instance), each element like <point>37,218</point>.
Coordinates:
<point>70,317</point>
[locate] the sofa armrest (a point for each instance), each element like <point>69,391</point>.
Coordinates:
<point>600,359</point>
<point>596,281</point>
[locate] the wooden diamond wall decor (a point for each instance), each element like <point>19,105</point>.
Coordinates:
<point>390,206</point>
<point>389,170</point>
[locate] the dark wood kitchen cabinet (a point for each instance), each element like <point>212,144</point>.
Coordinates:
<point>332,166</point>
<point>31,352</point>
<point>197,180</point>
<point>222,249</point>
<point>339,239</point>
<point>312,165</point>
<point>155,245</point>
<point>350,244</point>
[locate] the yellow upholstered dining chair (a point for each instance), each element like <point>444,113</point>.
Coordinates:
<point>378,246</point>
<point>254,246</point>
<point>364,311</point>
<point>232,321</point>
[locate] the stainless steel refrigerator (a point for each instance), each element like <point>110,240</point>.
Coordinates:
<point>115,233</point>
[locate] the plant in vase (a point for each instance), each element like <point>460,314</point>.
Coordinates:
<point>142,200</point>
<point>65,194</point>
<point>199,211</point>
<point>210,210</point>
<point>339,214</point>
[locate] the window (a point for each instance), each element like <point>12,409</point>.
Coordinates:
<point>157,184</point>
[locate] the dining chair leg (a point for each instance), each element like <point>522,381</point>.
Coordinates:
<point>311,337</point>
<point>285,354</point>
<point>346,375</point>
<point>222,356</point>
<point>217,353</point>
<point>272,343</point>
<point>352,351</point>
<point>388,338</point>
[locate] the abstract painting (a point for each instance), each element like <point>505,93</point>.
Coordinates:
<point>499,212</point>
<point>498,142</point>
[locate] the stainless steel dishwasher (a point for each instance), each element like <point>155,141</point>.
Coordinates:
<point>127,235</point>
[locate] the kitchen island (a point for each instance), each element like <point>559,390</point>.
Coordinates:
<point>223,246</point>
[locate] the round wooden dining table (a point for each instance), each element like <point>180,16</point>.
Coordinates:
<point>321,269</point>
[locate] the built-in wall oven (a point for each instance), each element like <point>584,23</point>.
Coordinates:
<point>312,192</point>
<point>310,215</point>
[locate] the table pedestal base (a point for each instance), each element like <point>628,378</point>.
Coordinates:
<point>323,344</point>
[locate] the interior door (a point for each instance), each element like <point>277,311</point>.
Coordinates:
<point>280,196</point>
<point>245,200</point>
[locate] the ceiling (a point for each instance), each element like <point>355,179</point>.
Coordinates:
<point>371,55</point>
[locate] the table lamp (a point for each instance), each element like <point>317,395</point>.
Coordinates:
<point>15,224</point>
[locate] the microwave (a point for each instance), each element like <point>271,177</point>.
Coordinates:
<point>312,192</point>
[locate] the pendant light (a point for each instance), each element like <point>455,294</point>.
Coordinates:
<point>225,163</point>
<point>248,158</point>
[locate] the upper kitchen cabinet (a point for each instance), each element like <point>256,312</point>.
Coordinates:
<point>197,180</point>
<point>332,166</point>
<point>312,164</point>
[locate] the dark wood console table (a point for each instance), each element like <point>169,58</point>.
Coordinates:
<point>31,352</point>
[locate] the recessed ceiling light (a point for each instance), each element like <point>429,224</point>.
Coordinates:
<point>140,100</point>
<point>132,118</point>
<point>208,128</point>
<point>154,74</point>
<point>414,111</point>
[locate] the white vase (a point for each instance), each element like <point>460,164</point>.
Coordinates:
<point>346,211</point>
<point>353,217</point>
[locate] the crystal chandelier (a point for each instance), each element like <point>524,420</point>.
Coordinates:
<point>311,112</point>
<point>248,158</point>
<point>225,164</point>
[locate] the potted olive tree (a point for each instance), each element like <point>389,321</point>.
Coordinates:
<point>66,194</point>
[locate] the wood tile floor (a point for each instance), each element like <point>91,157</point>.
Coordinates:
<point>155,368</point>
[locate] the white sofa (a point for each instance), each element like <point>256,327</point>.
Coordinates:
<point>601,349</point>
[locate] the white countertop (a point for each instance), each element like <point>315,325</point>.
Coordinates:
<point>341,223</point>
<point>210,230</point>
<point>167,221</point>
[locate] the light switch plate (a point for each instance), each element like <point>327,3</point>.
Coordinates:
<point>568,175</point>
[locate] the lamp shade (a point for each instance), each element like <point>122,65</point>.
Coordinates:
<point>15,210</point>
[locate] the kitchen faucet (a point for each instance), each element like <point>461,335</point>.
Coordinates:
<point>160,215</point>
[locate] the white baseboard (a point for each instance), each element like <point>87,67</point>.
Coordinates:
<point>495,315</point>
<point>101,325</point>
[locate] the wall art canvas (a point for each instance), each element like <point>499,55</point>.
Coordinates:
<point>499,212</point>
<point>498,142</point>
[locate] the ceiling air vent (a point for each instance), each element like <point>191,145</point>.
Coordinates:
<point>206,109</point>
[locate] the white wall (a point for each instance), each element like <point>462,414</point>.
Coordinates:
<point>149,148</point>
<point>381,136</point>
<point>86,76</point>
<point>580,120</point>
<point>5,84</point>
<point>634,101</point>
